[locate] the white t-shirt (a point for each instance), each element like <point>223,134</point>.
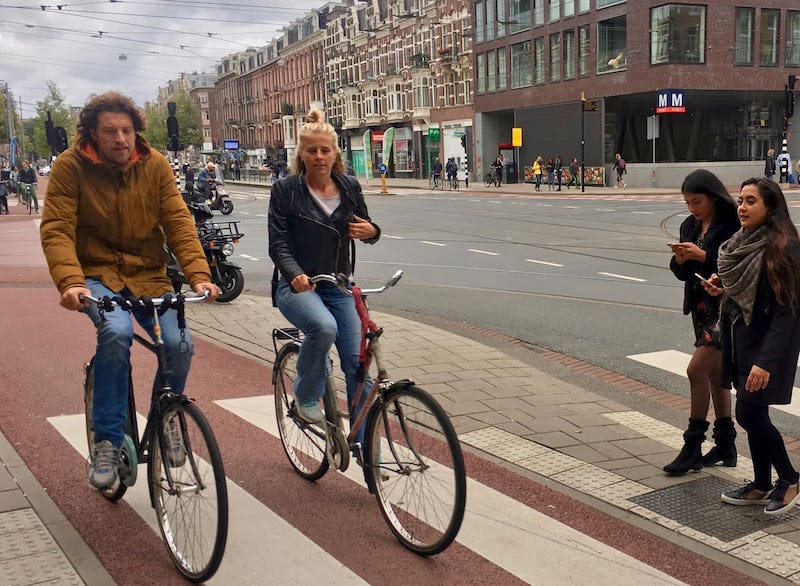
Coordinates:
<point>327,204</point>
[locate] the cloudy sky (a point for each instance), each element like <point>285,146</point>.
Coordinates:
<point>134,46</point>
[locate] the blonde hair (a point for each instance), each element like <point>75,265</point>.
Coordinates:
<point>315,124</point>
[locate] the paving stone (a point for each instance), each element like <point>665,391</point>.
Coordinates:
<point>491,417</point>
<point>639,472</point>
<point>553,439</point>
<point>487,437</point>
<point>49,566</point>
<point>590,435</point>
<point>550,463</point>
<point>580,408</point>
<point>547,424</point>
<point>19,520</point>
<point>584,420</point>
<point>503,390</point>
<point>620,493</point>
<point>641,446</point>
<point>772,553</point>
<point>439,367</point>
<point>501,404</point>
<point>583,452</point>
<point>514,427</point>
<point>11,500</point>
<point>518,450</point>
<point>473,374</point>
<point>610,451</point>
<point>464,424</point>
<point>467,395</point>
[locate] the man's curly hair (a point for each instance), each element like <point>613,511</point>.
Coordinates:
<point>110,101</point>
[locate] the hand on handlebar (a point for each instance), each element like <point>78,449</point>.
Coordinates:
<point>301,283</point>
<point>71,298</point>
<point>212,289</point>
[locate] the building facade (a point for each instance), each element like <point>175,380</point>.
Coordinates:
<point>725,63</point>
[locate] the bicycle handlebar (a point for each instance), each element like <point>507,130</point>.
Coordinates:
<point>169,300</point>
<point>341,282</point>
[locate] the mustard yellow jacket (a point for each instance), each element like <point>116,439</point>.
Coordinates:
<point>110,223</point>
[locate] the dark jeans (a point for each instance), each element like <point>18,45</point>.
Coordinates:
<point>766,445</point>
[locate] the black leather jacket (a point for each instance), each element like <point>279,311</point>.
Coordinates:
<point>302,239</point>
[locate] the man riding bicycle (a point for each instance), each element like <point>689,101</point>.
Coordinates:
<point>27,182</point>
<point>451,169</point>
<point>112,203</point>
<point>436,171</point>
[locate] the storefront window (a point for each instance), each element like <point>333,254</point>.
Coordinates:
<point>769,37</point>
<point>569,54</point>
<point>520,15</point>
<point>555,57</point>
<point>677,34</point>
<point>521,64</point>
<point>793,38</point>
<point>743,44</point>
<point>538,45</point>
<point>611,44</point>
<point>583,50</point>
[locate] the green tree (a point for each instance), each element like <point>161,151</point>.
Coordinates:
<point>188,116</point>
<point>54,103</point>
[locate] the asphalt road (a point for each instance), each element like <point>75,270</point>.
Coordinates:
<point>586,278</point>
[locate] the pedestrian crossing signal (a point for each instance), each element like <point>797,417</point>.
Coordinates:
<point>591,105</point>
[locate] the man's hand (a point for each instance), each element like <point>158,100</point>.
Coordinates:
<point>360,229</point>
<point>212,289</point>
<point>70,298</point>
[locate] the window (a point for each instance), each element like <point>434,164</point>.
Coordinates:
<point>491,71</point>
<point>422,92</point>
<point>555,57</point>
<point>521,13</point>
<point>538,12</point>
<point>743,44</point>
<point>769,37</point>
<point>604,3</point>
<point>793,38</point>
<point>502,74</point>
<point>568,8</point>
<point>583,50</point>
<point>611,44</point>
<point>481,74</point>
<point>397,102</point>
<point>521,64</point>
<point>538,72</point>
<point>583,6</point>
<point>569,54</point>
<point>480,22</point>
<point>491,19</point>
<point>555,10</point>
<point>501,17</point>
<point>677,34</point>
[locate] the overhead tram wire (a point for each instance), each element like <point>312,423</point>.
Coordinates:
<point>217,5</point>
<point>182,17</point>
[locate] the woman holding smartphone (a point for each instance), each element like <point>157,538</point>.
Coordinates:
<point>759,274</point>
<point>712,220</point>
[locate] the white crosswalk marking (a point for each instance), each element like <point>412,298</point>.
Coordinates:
<point>676,362</point>
<point>258,539</point>
<point>494,521</point>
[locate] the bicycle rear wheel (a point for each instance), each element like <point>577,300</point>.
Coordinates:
<point>189,490</point>
<point>416,470</point>
<point>303,443</point>
<point>488,179</point>
<point>127,459</point>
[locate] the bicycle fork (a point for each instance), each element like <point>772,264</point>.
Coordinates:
<point>337,451</point>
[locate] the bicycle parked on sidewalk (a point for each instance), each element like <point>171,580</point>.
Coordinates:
<point>187,485</point>
<point>411,457</point>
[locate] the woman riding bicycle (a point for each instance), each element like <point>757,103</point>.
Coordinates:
<point>314,216</point>
<point>27,181</point>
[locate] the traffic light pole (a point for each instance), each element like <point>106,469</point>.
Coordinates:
<point>583,143</point>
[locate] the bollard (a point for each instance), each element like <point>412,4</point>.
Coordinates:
<point>383,184</point>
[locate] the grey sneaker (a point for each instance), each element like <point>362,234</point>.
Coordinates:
<point>782,498</point>
<point>173,442</point>
<point>749,494</point>
<point>104,466</point>
<point>310,412</point>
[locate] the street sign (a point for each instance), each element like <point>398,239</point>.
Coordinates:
<point>232,145</point>
<point>652,127</point>
<point>434,134</point>
<point>671,102</point>
<point>516,137</point>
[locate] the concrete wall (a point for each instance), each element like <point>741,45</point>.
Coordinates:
<point>731,173</point>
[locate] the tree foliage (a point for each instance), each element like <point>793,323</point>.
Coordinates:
<point>188,116</point>
<point>54,103</point>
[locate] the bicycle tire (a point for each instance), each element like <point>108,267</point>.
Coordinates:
<point>118,489</point>
<point>414,462</point>
<point>304,444</point>
<point>440,184</point>
<point>192,510</point>
<point>488,179</point>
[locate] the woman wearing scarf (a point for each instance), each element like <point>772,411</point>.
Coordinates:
<point>759,274</point>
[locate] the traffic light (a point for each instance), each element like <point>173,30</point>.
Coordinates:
<point>60,142</point>
<point>48,132</point>
<point>464,142</point>
<point>173,140</point>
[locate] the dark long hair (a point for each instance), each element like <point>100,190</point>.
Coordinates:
<point>783,268</point>
<point>705,182</point>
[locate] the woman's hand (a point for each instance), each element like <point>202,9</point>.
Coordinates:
<point>757,380</point>
<point>713,285</point>
<point>360,229</point>
<point>687,251</point>
<point>301,284</point>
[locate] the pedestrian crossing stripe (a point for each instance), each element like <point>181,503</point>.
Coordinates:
<point>677,362</point>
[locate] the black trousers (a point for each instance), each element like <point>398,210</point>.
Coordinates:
<point>766,445</point>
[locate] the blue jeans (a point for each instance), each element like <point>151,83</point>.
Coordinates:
<point>112,366</point>
<point>326,316</point>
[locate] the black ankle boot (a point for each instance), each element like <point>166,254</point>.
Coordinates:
<point>725,449</point>
<point>690,456</point>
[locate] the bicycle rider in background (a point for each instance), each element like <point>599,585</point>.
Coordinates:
<point>451,169</point>
<point>27,182</point>
<point>436,171</point>
<point>111,201</point>
<point>315,215</point>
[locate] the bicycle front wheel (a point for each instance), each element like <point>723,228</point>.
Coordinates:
<point>304,443</point>
<point>416,470</point>
<point>190,495</point>
<point>488,179</point>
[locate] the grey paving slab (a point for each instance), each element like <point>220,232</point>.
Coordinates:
<point>553,439</point>
<point>592,435</point>
<point>641,446</point>
<point>585,453</point>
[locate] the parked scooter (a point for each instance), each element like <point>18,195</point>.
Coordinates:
<point>218,240</point>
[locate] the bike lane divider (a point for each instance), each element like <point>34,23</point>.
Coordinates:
<point>505,531</point>
<point>255,533</point>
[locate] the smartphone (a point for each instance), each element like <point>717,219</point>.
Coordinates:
<point>703,279</point>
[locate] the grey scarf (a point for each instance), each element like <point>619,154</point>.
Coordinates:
<point>740,261</point>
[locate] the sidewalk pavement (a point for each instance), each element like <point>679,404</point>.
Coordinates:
<point>591,433</point>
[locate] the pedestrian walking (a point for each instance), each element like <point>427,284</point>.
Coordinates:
<point>574,172</point>
<point>550,168</point>
<point>621,167</point>
<point>711,222</point>
<point>769,165</point>
<point>498,170</point>
<point>538,170</point>
<point>558,167</point>
<point>759,275</point>
<point>5,176</point>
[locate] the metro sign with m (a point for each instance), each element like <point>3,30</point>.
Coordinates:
<point>671,102</point>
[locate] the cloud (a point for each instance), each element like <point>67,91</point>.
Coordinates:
<point>132,46</point>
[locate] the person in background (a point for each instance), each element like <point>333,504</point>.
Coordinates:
<point>621,167</point>
<point>436,170</point>
<point>5,177</point>
<point>538,169</point>
<point>574,172</point>
<point>451,169</point>
<point>204,178</point>
<point>712,220</point>
<point>498,170</point>
<point>551,173</point>
<point>189,178</point>
<point>769,165</point>
<point>759,276</point>
<point>27,183</point>
<point>558,168</point>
